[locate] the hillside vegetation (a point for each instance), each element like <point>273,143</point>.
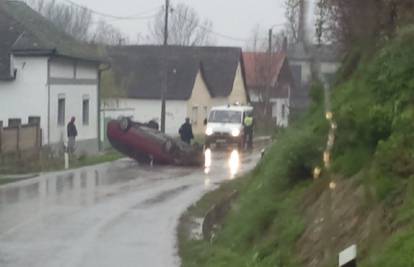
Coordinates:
<point>283,217</point>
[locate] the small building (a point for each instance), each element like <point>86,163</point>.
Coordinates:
<point>195,79</point>
<point>47,77</point>
<point>325,60</point>
<point>270,84</point>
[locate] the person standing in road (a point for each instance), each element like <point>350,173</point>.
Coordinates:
<point>72,134</point>
<point>186,131</point>
<point>248,130</point>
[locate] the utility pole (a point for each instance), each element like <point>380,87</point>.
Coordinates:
<point>167,10</point>
<point>269,74</point>
<point>270,40</point>
<point>165,80</point>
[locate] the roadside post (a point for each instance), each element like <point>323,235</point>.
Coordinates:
<point>348,257</point>
<point>66,156</point>
<point>1,136</point>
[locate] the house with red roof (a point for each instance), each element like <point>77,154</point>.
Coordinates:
<point>270,84</point>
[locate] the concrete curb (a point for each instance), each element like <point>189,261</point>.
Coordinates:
<point>19,176</point>
<point>216,215</point>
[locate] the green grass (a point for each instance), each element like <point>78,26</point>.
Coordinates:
<point>397,252</point>
<point>108,156</point>
<point>265,222</point>
<point>373,108</point>
<point>4,180</point>
<point>44,164</point>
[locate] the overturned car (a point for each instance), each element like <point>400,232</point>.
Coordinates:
<point>145,144</point>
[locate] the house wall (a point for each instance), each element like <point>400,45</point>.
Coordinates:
<point>324,68</point>
<point>280,111</point>
<point>199,105</point>
<point>196,107</point>
<point>75,81</point>
<point>27,94</point>
<point>144,110</point>
<point>238,93</point>
<point>327,71</point>
<point>276,104</point>
<point>305,70</point>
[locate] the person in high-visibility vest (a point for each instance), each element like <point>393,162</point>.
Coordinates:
<point>248,130</point>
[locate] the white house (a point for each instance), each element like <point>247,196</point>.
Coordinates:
<point>270,84</point>
<point>326,62</point>
<point>198,78</point>
<point>47,77</point>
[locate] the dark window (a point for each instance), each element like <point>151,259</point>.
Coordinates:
<point>85,111</point>
<point>297,75</point>
<point>61,112</point>
<point>13,123</point>
<point>34,120</point>
<point>225,116</point>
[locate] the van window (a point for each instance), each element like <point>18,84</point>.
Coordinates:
<point>225,116</point>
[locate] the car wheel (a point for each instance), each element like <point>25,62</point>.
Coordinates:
<point>124,124</point>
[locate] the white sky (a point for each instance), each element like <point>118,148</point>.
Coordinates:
<point>236,18</point>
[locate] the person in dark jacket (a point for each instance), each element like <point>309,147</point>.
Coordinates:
<point>72,134</point>
<point>186,131</point>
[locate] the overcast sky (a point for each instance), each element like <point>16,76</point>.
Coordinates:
<point>235,18</point>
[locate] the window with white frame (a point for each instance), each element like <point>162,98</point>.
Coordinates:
<point>61,110</point>
<point>85,110</point>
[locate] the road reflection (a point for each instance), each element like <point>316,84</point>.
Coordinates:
<point>234,163</point>
<point>207,163</point>
<point>213,162</point>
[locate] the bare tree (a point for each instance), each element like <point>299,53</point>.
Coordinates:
<point>355,22</point>
<point>263,61</point>
<point>75,21</point>
<point>107,34</point>
<point>259,40</point>
<point>185,27</point>
<point>292,18</point>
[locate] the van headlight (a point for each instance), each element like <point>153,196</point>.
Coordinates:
<point>209,131</point>
<point>235,132</point>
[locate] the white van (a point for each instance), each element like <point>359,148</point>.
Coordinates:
<point>225,125</point>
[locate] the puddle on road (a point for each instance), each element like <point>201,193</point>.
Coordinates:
<point>162,197</point>
<point>232,159</point>
<point>83,186</point>
<point>85,181</point>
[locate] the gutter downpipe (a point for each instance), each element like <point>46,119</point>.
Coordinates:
<point>49,59</point>
<point>106,68</point>
<point>48,101</point>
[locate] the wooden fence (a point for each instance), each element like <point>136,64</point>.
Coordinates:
<point>23,138</point>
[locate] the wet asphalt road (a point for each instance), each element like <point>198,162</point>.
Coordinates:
<point>117,214</point>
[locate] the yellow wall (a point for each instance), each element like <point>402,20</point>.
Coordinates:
<point>201,100</point>
<point>238,93</point>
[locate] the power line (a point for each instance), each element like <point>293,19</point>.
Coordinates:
<point>228,37</point>
<point>102,14</point>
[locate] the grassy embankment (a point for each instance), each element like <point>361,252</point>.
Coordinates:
<point>15,165</point>
<point>284,218</point>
